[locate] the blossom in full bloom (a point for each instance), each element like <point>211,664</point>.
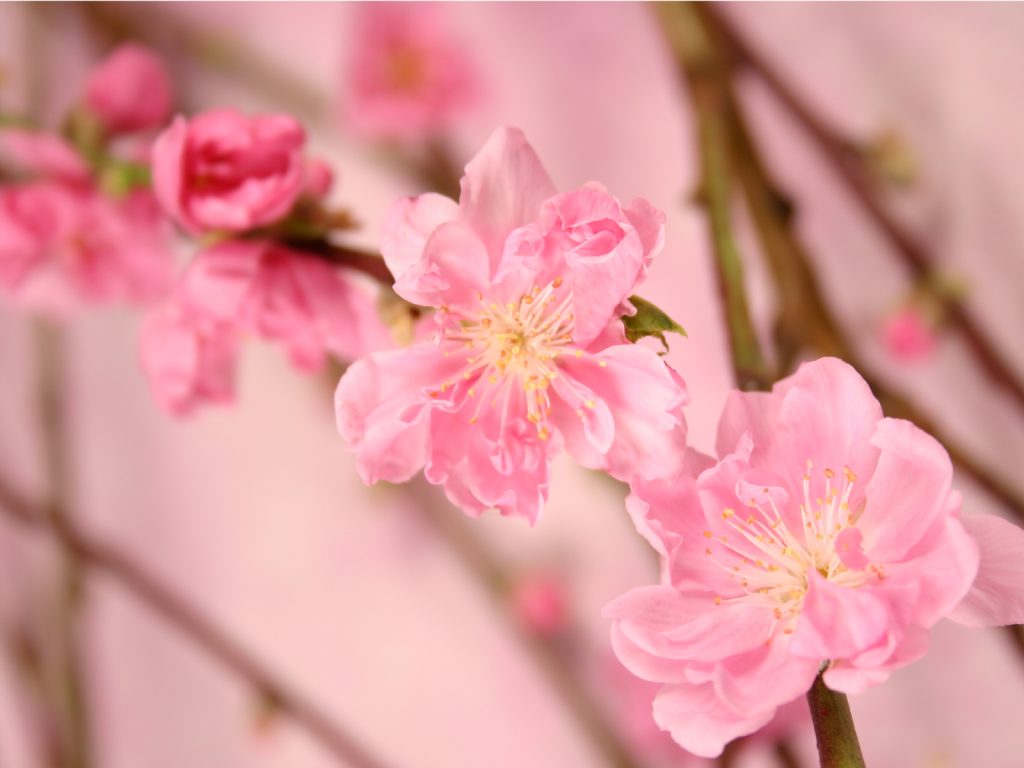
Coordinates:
<point>530,354</point>
<point>824,533</point>
<point>409,77</point>
<point>224,171</point>
<point>130,90</point>
<point>258,288</point>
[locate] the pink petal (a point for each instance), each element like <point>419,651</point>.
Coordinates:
<point>410,223</point>
<point>168,170</point>
<point>382,410</point>
<point>503,189</point>
<point>848,548</point>
<point>453,270</point>
<point>828,415</point>
<point>855,676</point>
<point>44,155</point>
<point>997,595</point>
<point>645,397</point>
<point>836,621</point>
<point>699,722</point>
<point>908,492</point>
<point>767,676</point>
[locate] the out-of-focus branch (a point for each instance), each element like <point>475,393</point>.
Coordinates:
<point>701,68</point>
<point>66,681</point>
<point>806,322</point>
<point>195,626</point>
<point>849,166</point>
<point>450,526</point>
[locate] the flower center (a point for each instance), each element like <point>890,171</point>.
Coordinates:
<point>771,563</point>
<point>509,346</point>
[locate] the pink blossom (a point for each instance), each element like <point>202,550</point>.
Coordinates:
<point>223,171</point>
<point>42,154</point>
<point>529,354</point>
<point>907,335</point>
<point>540,603</point>
<point>824,533</point>
<point>258,288</point>
<point>187,359</point>
<point>409,77</point>
<point>80,244</point>
<point>129,90</point>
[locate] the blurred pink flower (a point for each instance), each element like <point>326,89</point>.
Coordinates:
<point>42,154</point>
<point>540,604</point>
<point>75,240</point>
<point>824,533</point>
<point>410,78</point>
<point>530,353</point>
<point>260,288</point>
<point>907,335</point>
<point>129,90</point>
<point>187,360</point>
<point>223,171</point>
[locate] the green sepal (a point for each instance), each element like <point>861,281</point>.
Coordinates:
<point>649,320</point>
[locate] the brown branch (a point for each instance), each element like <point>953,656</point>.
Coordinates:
<point>848,164</point>
<point>195,626</point>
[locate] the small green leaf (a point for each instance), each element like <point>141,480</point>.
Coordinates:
<point>649,320</point>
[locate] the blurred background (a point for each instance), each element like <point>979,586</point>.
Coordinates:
<point>434,640</point>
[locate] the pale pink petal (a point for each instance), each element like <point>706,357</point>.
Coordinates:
<point>699,722</point>
<point>997,594</point>
<point>452,271</point>
<point>645,665</point>
<point>382,410</point>
<point>767,676</point>
<point>837,621</point>
<point>908,492</point>
<point>503,189</point>
<point>645,397</point>
<point>410,223</point>
<point>855,676</point>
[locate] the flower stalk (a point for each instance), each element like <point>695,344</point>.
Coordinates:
<point>838,746</point>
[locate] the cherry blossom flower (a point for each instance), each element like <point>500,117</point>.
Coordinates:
<point>824,534</point>
<point>223,171</point>
<point>409,77</point>
<point>530,355</point>
<point>130,90</point>
<point>258,288</point>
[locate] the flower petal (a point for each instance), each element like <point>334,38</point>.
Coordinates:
<point>410,223</point>
<point>382,410</point>
<point>836,621</point>
<point>452,271</point>
<point>503,188</point>
<point>699,722</point>
<point>907,494</point>
<point>997,595</point>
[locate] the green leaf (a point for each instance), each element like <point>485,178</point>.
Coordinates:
<point>649,320</point>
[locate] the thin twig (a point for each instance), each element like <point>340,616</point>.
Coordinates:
<point>195,626</point>
<point>699,65</point>
<point>848,164</point>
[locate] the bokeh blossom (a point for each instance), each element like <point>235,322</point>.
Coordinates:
<point>409,77</point>
<point>530,355</point>
<point>908,336</point>
<point>258,288</point>
<point>222,171</point>
<point>130,90</point>
<point>824,533</point>
<point>62,239</point>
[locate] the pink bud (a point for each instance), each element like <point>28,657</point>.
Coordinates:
<point>130,90</point>
<point>223,171</point>
<point>539,602</point>
<point>907,335</point>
